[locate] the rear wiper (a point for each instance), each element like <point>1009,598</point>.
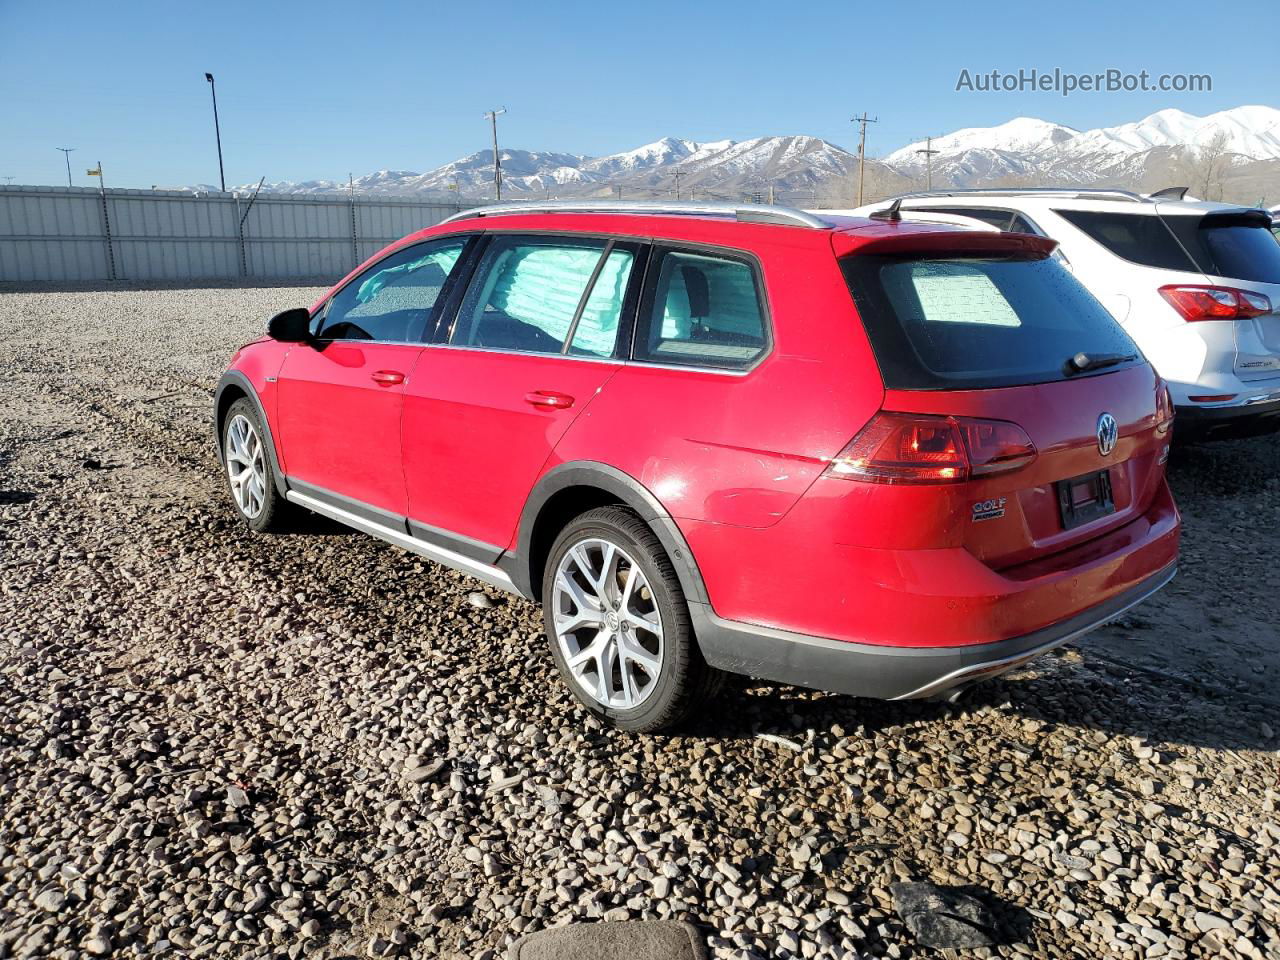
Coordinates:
<point>1095,361</point>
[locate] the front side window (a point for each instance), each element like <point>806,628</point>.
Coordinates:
<point>543,295</point>
<point>703,310</point>
<point>393,301</point>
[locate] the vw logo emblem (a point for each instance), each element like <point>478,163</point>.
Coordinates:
<point>1108,433</point>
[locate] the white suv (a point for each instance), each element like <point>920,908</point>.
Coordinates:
<point>1196,284</point>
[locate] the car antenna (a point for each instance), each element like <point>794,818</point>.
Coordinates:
<point>890,212</point>
<point>1171,193</point>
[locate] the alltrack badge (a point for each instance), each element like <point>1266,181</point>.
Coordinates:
<point>989,509</point>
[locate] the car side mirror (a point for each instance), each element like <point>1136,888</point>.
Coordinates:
<point>290,326</point>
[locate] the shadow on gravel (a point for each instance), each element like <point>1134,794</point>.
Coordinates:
<point>10,497</point>
<point>1096,695</point>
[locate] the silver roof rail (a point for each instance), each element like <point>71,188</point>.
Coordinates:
<point>1080,193</point>
<point>745,212</point>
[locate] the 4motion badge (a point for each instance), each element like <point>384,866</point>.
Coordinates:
<point>989,509</point>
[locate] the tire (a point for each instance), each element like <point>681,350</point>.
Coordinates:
<point>652,679</point>
<point>255,498</point>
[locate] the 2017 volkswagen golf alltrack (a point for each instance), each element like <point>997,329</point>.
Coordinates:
<point>875,457</point>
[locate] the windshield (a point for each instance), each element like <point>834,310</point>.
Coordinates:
<point>971,323</point>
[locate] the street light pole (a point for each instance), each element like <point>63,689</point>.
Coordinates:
<point>493,116</point>
<point>217,131</point>
<point>66,152</point>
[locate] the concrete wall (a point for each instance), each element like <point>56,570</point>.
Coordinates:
<point>61,234</point>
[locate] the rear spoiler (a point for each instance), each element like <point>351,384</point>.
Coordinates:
<point>949,243</point>
<point>1240,217</point>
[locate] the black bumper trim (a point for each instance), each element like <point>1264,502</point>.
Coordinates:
<point>891,673</point>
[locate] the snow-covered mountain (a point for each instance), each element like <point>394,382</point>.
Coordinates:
<point>1024,151</point>
<point>795,166</point>
<point>1029,149</point>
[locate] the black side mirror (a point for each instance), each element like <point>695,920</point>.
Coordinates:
<point>290,326</point>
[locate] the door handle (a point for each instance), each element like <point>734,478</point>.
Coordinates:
<point>388,378</point>
<point>550,400</point>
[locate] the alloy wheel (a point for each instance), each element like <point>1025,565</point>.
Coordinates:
<point>607,624</point>
<point>246,466</point>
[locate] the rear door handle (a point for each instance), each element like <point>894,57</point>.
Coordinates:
<point>548,399</point>
<point>388,378</point>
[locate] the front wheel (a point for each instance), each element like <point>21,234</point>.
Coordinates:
<point>618,624</point>
<point>250,478</point>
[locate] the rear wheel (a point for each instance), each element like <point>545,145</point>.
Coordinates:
<point>250,479</point>
<point>618,624</point>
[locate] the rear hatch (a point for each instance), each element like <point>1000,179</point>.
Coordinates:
<point>1064,425</point>
<point>1236,251</point>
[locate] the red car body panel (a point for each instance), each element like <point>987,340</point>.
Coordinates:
<point>738,458</point>
<point>474,444</point>
<point>338,426</point>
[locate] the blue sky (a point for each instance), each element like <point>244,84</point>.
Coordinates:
<point>318,89</point>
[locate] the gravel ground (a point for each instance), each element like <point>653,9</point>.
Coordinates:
<point>224,744</point>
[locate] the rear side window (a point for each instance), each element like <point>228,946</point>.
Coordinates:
<point>545,295</point>
<point>702,310</point>
<point>1239,247</point>
<point>1139,238</point>
<point>393,300</point>
<point>950,324</point>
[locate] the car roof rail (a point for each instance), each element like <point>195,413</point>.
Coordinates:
<point>744,212</point>
<point>1079,193</point>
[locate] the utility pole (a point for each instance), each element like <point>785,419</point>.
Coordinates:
<point>928,152</point>
<point>493,116</point>
<point>862,122</point>
<point>678,174</point>
<point>773,197</point>
<point>66,152</point>
<point>217,131</point>
<point>8,180</point>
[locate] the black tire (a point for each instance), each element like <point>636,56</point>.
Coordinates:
<point>685,683</point>
<point>274,507</point>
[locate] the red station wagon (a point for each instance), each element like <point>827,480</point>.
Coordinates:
<point>875,457</point>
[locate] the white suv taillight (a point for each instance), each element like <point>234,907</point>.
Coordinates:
<point>924,448</point>
<point>1215,303</point>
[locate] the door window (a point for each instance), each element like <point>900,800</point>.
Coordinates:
<point>543,295</point>
<point>393,300</point>
<point>703,310</point>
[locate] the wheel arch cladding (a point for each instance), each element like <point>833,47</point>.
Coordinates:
<point>234,386</point>
<point>571,489</point>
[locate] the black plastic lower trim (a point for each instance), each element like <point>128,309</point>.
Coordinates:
<point>889,673</point>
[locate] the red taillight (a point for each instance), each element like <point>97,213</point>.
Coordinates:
<point>1215,303</point>
<point>920,448</point>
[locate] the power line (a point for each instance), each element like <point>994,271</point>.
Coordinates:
<point>66,152</point>
<point>862,122</point>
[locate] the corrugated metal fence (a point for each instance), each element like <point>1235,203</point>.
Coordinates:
<point>79,233</point>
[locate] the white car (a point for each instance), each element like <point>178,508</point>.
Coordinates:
<point>1195,284</point>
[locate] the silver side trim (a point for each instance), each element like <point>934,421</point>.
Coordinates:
<point>456,561</point>
<point>993,668</point>
<point>745,212</point>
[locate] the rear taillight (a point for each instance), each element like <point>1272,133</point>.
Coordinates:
<point>1164,409</point>
<point>1215,303</point>
<point>920,448</point>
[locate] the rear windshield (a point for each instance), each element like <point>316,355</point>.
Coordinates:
<point>952,324</point>
<point>1236,248</point>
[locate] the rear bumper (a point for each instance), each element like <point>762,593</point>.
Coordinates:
<point>893,673</point>
<point>1245,417</point>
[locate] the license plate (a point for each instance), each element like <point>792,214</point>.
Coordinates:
<point>1086,498</point>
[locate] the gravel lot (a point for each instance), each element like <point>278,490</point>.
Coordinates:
<point>314,744</point>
